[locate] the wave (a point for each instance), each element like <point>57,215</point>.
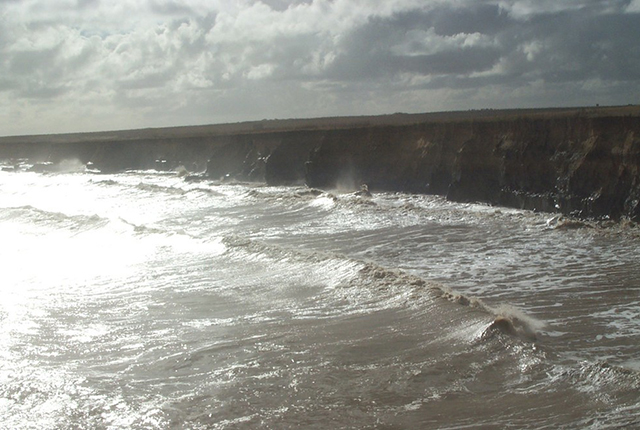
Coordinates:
<point>395,207</point>
<point>105,182</point>
<point>79,223</point>
<point>394,287</point>
<point>507,319</point>
<point>605,383</point>
<point>202,190</point>
<point>160,188</point>
<point>143,229</point>
<point>59,219</point>
<point>70,165</point>
<point>310,195</point>
<point>596,375</point>
<point>168,189</point>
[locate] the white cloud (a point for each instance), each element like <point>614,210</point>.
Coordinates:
<point>160,62</point>
<point>521,9</point>
<point>532,49</point>
<point>634,6</point>
<point>261,71</point>
<point>427,42</point>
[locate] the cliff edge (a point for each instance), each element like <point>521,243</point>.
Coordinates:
<point>583,162</point>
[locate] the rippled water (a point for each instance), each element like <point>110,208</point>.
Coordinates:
<point>139,300</point>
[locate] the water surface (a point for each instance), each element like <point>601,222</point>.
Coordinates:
<point>139,300</point>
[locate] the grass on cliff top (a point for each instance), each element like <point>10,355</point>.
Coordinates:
<point>328,123</point>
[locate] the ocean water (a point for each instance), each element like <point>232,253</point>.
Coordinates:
<point>141,301</point>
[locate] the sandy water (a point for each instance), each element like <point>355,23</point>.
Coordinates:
<point>139,300</point>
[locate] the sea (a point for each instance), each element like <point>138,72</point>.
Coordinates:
<point>141,300</point>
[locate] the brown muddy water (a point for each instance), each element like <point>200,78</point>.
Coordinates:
<point>141,301</point>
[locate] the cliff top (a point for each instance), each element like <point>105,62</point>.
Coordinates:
<point>327,123</point>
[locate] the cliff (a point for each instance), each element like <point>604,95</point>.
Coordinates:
<point>583,162</point>
<point>582,166</point>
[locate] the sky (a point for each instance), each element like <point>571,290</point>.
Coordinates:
<point>91,65</point>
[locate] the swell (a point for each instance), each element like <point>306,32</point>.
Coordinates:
<point>158,188</point>
<point>58,219</point>
<point>454,327</point>
<point>602,383</point>
<point>448,312</point>
<point>76,223</point>
<point>394,287</point>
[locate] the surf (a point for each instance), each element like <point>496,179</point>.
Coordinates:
<point>142,299</point>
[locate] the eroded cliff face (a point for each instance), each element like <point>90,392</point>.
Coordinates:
<point>582,166</point>
<point>579,164</point>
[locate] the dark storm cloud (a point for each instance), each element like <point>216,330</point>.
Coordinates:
<point>583,46</point>
<point>565,46</point>
<point>373,50</point>
<point>482,18</point>
<point>459,62</point>
<point>570,47</point>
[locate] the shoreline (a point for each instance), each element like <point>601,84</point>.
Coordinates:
<point>583,162</point>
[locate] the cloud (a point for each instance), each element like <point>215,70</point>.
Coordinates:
<point>169,62</point>
<point>634,6</point>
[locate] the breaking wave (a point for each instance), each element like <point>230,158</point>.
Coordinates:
<point>143,300</point>
<point>40,216</point>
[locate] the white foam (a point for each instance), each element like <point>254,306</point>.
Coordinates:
<point>323,201</point>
